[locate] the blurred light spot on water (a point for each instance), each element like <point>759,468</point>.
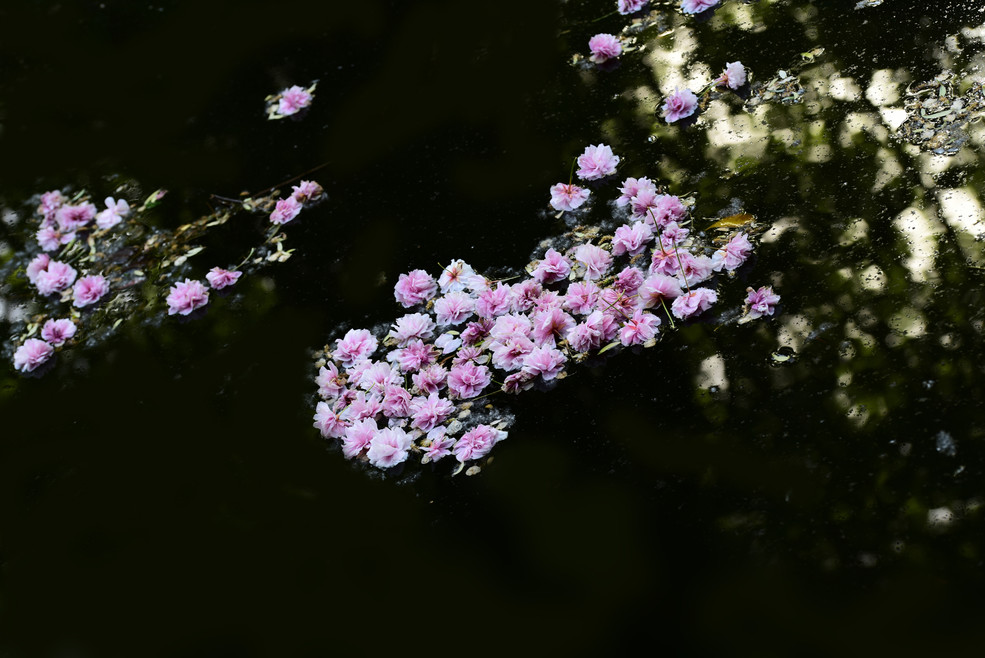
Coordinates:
<point>883,88</point>
<point>940,518</point>
<point>946,444</point>
<point>9,217</point>
<point>889,169</point>
<point>921,233</point>
<point>963,212</point>
<point>873,278</point>
<point>844,88</point>
<point>793,330</point>
<point>668,57</point>
<point>909,322</point>
<point>712,373</point>
<point>778,227</point>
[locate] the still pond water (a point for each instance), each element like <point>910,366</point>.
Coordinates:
<point>166,494</point>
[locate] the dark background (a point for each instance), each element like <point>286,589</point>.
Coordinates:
<point>165,493</point>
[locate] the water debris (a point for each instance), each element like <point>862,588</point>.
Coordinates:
<point>785,86</point>
<point>937,118</point>
<point>865,4</point>
<point>946,444</point>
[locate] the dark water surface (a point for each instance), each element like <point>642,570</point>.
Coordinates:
<point>166,494</point>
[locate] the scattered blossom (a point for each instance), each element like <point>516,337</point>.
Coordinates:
<point>597,162</point>
<point>88,290</point>
<point>357,345</point>
<point>761,302</point>
<point>555,267</point>
<point>631,239</point>
<point>467,380</point>
<point>567,196</point>
<point>115,212</point>
<point>596,260</point>
<point>415,287</point>
<point>477,442</point>
<point>389,447</point>
<point>57,276</point>
<point>37,265</point>
<point>186,296</point>
<point>219,278</point>
<point>306,190</point>
<point>545,361</point>
<point>604,47</point>
<point>680,104</point>
<point>72,218</point>
<point>697,6</point>
<point>285,210</point>
<point>733,77</point>
<point>733,254</point>
<point>641,328</point>
<point>31,354</point>
<point>293,100</point>
<point>694,301</point>
<point>630,6</point>
<point>329,423</point>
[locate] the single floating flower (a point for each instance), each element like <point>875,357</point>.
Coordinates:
<point>630,6</point>
<point>115,212</point>
<point>604,47</point>
<point>679,105</point>
<point>31,354</point>
<point>306,190</point>
<point>290,101</point>
<point>219,278</point>
<point>566,196</point>
<point>693,301</point>
<point>415,287</point>
<point>57,276</point>
<point>57,332</point>
<point>733,77</point>
<point>285,210</point>
<point>597,162</point>
<point>186,296</point>
<point>88,290</point>
<point>697,6</point>
<point>760,302</point>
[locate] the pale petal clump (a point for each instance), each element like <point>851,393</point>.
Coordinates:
<point>453,308</point>
<point>389,447</point>
<point>50,202</point>
<point>604,47</point>
<point>629,6</point>
<point>761,302</point>
<point>639,329</point>
<point>186,296</point>
<point>57,332</point>
<point>37,265</point>
<point>331,383</point>
<point>666,208</point>
<point>733,77</point>
<point>697,6</point>
<point>115,212</point>
<point>545,361</point>
<point>597,162</point>
<point>358,436</point>
<point>51,238</point>
<point>554,267</point>
<point>459,276</point>
<point>88,290</point>
<point>428,412</point>
<point>219,278</point>
<point>631,187</point>
<point>437,445</point>
<point>658,287</point>
<point>467,380</point>
<point>631,239</point>
<point>72,218</point>
<point>567,196</point>
<point>733,254</point>
<point>694,301</point>
<point>306,190</point>
<point>679,105</point>
<point>328,422</point>
<point>293,100</point>
<point>415,287</point>
<point>477,442</point>
<point>411,326</point>
<point>494,301</point>
<point>285,210</point>
<point>57,276</point>
<point>596,260</point>
<point>357,345</point>
<point>31,354</point>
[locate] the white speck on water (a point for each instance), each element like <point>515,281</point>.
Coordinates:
<point>946,444</point>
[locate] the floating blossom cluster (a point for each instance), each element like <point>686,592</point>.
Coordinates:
<point>697,6</point>
<point>290,101</point>
<point>595,163</point>
<point>87,262</point>
<point>410,390</point>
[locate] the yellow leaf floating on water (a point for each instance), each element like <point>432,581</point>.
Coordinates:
<point>733,221</point>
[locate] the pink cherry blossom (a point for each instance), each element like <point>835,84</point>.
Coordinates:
<point>761,302</point>
<point>673,235</point>
<point>477,442</point>
<point>459,276</point>
<point>396,401</point>
<point>37,265</point>
<point>733,254</point>
<point>680,104</point>
<point>88,290</point>
<point>357,436</point>
<point>362,406</point>
<point>697,6</point>
<point>293,100</point>
<point>285,210</point>
<point>329,423</point>
<point>596,260</point>
<point>431,379</point>
<point>114,213</point>
<point>438,444</point>
<point>554,267</point>
<point>494,301</point>
<point>545,361</point>
<point>186,296</point>
<point>694,301</point>
<point>411,326</point>
<point>628,281</point>
<point>641,328</point>
<point>617,304</point>
<point>330,382</point>
<point>568,196</point>
<point>72,218</point>
<point>50,202</point>
<point>692,269</point>
<point>430,411</point>
<point>219,278</point>
<point>597,162</point>
<point>631,187</point>
<point>658,287</point>
<point>509,351</point>
<point>416,355</point>
<point>31,354</point>
<point>525,295</point>
<point>550,325</point>
<point>447,343</point>
<point>631,239</point>
<point>629,6</point>
<point>733,77</point>
<point>51,238</point>
<point>306,190</point>
<point>586,335</point>
<point>604,47</point>
<point>666,208</point>
<point>415,287</point>
<point>581,297</point>
<point>357,345</point>
<point>56,277</point>
<point>453,308</point>
<point>467,380</point>
<point>507,325</point>
<point>389,447</point>
<point>476,332</point>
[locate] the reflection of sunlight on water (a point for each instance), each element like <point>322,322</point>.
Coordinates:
<point>962,210</point>
<point>667,64</point>
<point>889,169</point>
<point>921,234</point>
<point>873,279</point>
<point>777,229</point>
<point>844,88</point>
<point>793,330</point>
<point>712,373</point>
<point>908,323</point>
<point>883,88</point>
<point>740,133</point>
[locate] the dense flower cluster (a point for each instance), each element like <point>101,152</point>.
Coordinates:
<point>405,390</point>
